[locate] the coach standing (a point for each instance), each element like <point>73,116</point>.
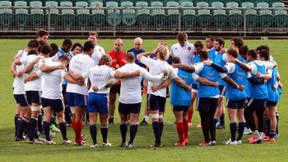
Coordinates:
<point>138,43</point>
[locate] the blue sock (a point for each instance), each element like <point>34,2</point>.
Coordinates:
<point>63,130</point>
<point>23,124</point>
<point>123,130</point>
<point>93,132</point>
<point>156,130</point>
<point>277,118</point>
<point>241,127</point>
<point>33,123</point>
<point>104,132</point>
<point>233,129</point>
<point>46,127</point>
<point>133,131</point>
<point>161,124</point>
<point>222,120</point>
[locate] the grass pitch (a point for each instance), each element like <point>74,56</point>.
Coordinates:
<point>21,151</point>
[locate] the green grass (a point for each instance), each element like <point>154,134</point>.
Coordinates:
<point>21,151</point>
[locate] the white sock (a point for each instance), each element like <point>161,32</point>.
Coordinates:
<point>146,118</point>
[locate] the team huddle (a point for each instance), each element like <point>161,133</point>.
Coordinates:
<point>74,80</point>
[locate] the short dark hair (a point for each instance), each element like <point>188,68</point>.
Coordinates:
<point>32,52</point>
<point>77,44</point>
<point>63,58</point>
<point>88,46</point>
<point>204,55</point>
<point>232,52</point>
<point>54,46</point>
<point>130,56</point>
<point>238,41</point>
<point>33,44</point>
<point>263,47</point>
<point>252,53</point>
<point>176,60</point>
<point>211,37</point>
<point>41,43</point>
<point>265,54</point>
<point>220,40</point>
<point>182,36</point>
<point>46,49</point>
<point>41,33</point>
<point>67,41</point>
<point>198,44</point>
<point>243,50</point>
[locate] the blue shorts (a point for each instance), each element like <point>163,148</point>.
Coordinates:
<point>126,109</point>
<point>207,104</point>
<point>98,103</point>
<point>21,99</point>
<point>115,89</point>
<point>156,102</point>
<point>271,103</point>
<point>222,90</point>
<point>75,99</point>
<point>33,97</point>
<point>256,104</point>
<point>56,105</point>
<point>236,104</point>
<point>180,108</point>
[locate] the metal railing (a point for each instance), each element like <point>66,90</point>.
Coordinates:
<point>144,19</point>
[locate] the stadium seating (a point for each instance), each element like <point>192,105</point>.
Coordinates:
<point>82,15</point>
<point>67,15</point>
<point>110,14</point>
<point>143,15</point>
<point>204,15</point>
<point>54,13</point>
<point>280,16</point>
<point>97,15</point>
<point>219,15</point>
<point>173,14</point>
<point>188,15</point>
<point>158,15</point>
<point>266,17</point>
<point>235,17</point>
<point>128,15</point>
<point>21,15</point>
<point>36,15</point>
<point>6,15</point>
<point>251,15</point>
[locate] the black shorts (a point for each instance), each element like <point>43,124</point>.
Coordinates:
<point>115,89</point>
<point>126,109</point>
<point>195,86</point>
<point>256,104</point>
<point>21,99</point>
<point>207,104</point>
<point>33,97</point>
<point>271,103</point>
<point>56,104</point>
<point>222,90</point>
<point>236,104</point>
<point>156,102</point>
<point>180,108</point>
<point>64,87</point>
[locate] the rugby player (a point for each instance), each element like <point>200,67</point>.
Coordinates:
<point>42,35</point>
<point>98,50</point>
<point>210,40</point>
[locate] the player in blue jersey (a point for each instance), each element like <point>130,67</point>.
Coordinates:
<point>210,40</point>
<point>237,42</point>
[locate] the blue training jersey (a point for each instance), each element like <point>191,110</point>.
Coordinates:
<point>240,77</point>
<point>219,61</point>
<point>210,74</point>
<point>196,60</point>
<point>212,54</point>
<point>137,53</point>
<point>258,91</point>
<point>179,95</point>
<point>273,95</point>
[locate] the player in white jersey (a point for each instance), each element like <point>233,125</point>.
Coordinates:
<point>42,35</point>
<point>156,100</point>
<point>183,49</point>
<point>18,89</point>
<point>98,50</point>
<point>77,95</point>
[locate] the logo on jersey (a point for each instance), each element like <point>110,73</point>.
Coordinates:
<point>189,48</point>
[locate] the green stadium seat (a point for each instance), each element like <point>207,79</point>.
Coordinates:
<point>143,15</point>
<point>128,15</point>
<point>204,16</point>
<point>82,15</point>
<point>251,14</point>
<point>173,14</point>
<point>219,15</point>
<point>54,13</point>
<point>280,18</point>
<point>195,2</point>
<point>110,14</point>
<point>181,1</point>
<point>158,15</point>
<point>235,17</point>
<point>21,15</point>
<point>6,15</point>
<point>97,15</point>
<point>188,15</point>
<point>67,15</point>
<point>265,16</point>
<point>278,5</point>
<point>36,14</point>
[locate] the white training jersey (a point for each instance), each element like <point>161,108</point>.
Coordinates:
<point>52,88</point>
<point>97,54</point>
<point>46,61</point>
<point>130,91</point>
<point>98,76</point>
<point>33,85</point>
<point>18,84</point>
<point>79,64</point>
<point>155,68</point>
<point>185,53</point>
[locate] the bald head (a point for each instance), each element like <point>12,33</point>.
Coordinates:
<point>138,42</point>
<point>118,45</point>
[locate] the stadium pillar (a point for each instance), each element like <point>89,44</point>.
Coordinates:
<point>114,21</point>
<point>49,20</point>
<point>179,19</point>
<point>245,23</point>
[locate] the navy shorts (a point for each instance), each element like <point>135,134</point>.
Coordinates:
<point>271,103</point>
<point>21,99</point>
<point>126,109</point>
<point>195,86</point>
<point>64,87</point>
<point>75,99</point>
<point>56,105</point>
<point>180,108</point>
<point>115,88</point>
<point>98,103</point>
<point>156,102</point>
<point>256,104</point>
<point>33,97</point>
<point>222,90</point>
<point>236,104</point>
<point>167,92</point>
<point>207,104</point>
